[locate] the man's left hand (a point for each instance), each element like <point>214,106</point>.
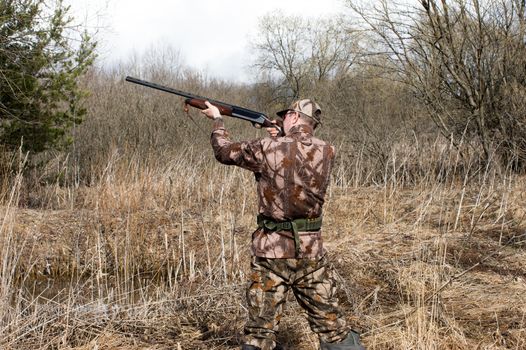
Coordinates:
<point>212,112</point>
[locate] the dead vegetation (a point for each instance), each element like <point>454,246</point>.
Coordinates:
<point>135,238</point>
<point>156,257</point>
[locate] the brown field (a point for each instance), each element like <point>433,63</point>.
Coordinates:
<point>153,255</point>
<point>127,234</point>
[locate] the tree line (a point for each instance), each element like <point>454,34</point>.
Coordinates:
<point>384,72</point>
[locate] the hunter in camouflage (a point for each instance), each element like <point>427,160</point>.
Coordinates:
<point>292,173</point>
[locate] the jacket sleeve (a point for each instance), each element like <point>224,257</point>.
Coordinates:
<point>245,154</point>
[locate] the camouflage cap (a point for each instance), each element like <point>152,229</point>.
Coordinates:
<point>306,107</point>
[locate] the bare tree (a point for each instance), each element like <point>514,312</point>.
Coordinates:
<point>298,53</point>
<point>466,59</point>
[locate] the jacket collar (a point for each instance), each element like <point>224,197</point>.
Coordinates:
<point>301,129</point>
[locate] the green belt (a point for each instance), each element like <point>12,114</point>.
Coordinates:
<point>295,226</point>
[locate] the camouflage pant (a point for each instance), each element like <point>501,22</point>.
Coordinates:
<point>314,287</point>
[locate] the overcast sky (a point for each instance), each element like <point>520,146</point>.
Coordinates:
<point>211,36</point>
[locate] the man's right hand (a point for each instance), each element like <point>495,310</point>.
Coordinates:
<point>273,132</point>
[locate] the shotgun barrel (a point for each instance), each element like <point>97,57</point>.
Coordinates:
<point>257,119</point>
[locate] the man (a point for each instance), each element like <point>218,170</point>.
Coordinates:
<point>292,174</point>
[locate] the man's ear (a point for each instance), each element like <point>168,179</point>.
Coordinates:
<point>296,117</point>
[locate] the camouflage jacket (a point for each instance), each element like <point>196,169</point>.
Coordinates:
<point>292,174</point>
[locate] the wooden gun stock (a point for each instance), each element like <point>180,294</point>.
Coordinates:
<point>200,103</point>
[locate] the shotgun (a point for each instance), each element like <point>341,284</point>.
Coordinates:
<point>257,119</point>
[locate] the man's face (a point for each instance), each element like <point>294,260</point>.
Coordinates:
<point>289,120</point>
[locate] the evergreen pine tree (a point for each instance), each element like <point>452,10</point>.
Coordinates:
<point>40,97</point>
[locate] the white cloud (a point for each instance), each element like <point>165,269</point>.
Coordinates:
<point>211,35</point>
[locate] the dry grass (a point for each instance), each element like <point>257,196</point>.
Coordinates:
<point>154,255</point>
